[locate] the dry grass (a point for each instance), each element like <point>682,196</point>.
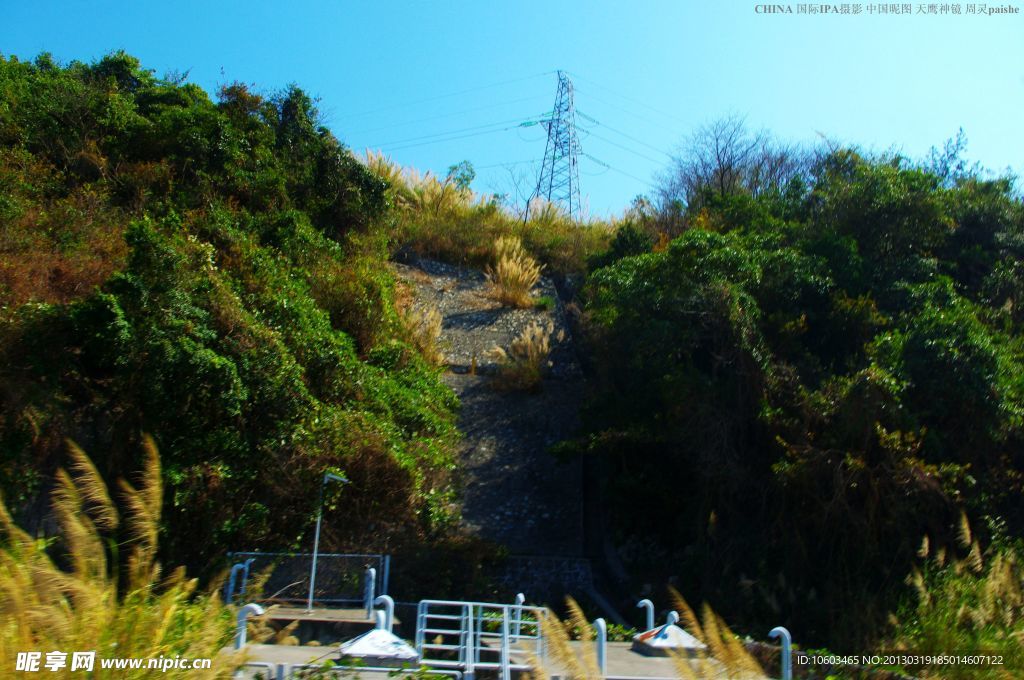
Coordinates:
<point>438,220</point>
<point>422,329</point>
<point>523,365</point>
<point>576,662</point>
<point>973,605</point>
<point>724,657</point>
<point>63,595</point>
<point>514,273</point>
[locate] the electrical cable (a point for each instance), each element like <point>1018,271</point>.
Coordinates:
<point>622,96</point>
<point>444,115</point>
<point>621,172</point>
<point>597,174</point>
<point>445,96</point>
<point>509,163</point>
<point>628,112</point>
<point>471,134</point>
<point>620,132</point>
<point>450,132</point>
<point>530,141</point>
<point>625,148</point>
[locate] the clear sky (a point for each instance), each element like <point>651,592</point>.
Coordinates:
<point>435,82</point>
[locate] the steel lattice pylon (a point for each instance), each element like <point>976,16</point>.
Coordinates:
<point>559,180</point>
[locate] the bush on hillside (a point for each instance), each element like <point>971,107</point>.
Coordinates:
<point>212,272</point>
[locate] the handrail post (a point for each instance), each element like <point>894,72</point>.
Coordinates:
<point>369,589</point>
<point>602,645</point>
<point>229,590</point>
<point>787,650</point>
<point>520,599</point>
<point>240,628</point>
<point>245,574</point>
<point>470,643</point>
<point>506,672</point>
<point>421,623</point>
<point>648,606</point>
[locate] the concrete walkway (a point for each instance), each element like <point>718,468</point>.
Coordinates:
<point>622,662</point>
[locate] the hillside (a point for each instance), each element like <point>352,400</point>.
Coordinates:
<point>797,382</point>
<point>208,273</point>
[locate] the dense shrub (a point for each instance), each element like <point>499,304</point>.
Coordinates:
<point>210,272</point>
<point>796,400</point>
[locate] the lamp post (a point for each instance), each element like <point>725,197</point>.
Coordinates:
<point>328,476</point>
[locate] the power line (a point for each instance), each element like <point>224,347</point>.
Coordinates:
<point>589,95</point>
<point>450,132</point>
<point>622,96</point>
<point>467,136</point>
<point>620,132</point>
<point>625,148</point>
<point>508,164</point>
<point>621,172</point>
<point>444,115</point>
<point>445,96</point>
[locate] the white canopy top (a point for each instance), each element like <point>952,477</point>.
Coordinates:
<point>667,637</point>
<point>379,644</point>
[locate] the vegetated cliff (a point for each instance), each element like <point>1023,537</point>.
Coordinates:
<point>209,272</point>
<point>806,382</point>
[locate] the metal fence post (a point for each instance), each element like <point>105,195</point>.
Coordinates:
<point>787,650</point>
<point>602,645</point>
<point>517,629</point>
<point>368,594</point>
<point>470,644</point>
<point>421,621</point>
<point>243,614</point>
<point>245,574</point>
<point>506,672</point>
<point>649,608</point>
<point>389,610</point>
<point>229,590</point>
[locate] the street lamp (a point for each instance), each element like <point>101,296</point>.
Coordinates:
<point>316,542</point>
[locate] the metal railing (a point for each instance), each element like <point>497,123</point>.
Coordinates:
<point>339,576</point>
<point>475,636</point>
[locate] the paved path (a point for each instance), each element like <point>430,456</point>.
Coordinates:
<point>514,492</point>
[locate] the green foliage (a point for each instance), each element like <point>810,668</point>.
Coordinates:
<point>628,241</point>
<point>212,273</point>
<point>800,385</point>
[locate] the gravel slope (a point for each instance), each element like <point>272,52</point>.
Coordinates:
<point>514,492</point>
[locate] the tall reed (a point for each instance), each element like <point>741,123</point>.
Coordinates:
<point>62,593</point>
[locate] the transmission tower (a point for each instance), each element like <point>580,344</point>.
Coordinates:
<point>559,180</point>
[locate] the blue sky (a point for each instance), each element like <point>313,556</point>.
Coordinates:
<point>392,74</point>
